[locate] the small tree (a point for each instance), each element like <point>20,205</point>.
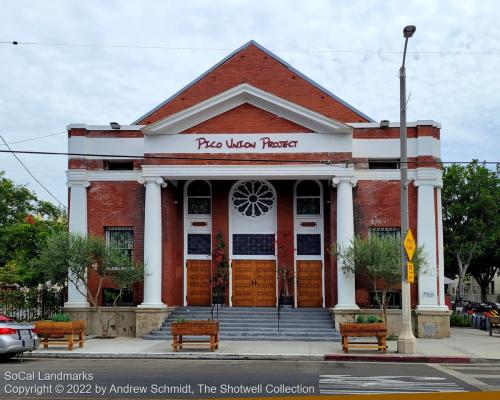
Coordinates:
<point>379,259</point>
<point>79,256</point>
<point>221,274</point>
<point>284,246</point>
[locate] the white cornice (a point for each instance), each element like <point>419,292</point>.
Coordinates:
<point>237,96</point>
<point>316,171</point>
<point>414,124</point>
<point>104,127</point>
<point>111,176</point>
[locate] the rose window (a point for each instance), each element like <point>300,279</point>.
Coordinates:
<point>253,198</point>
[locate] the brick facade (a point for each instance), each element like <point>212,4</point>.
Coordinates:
<point>376,195</point>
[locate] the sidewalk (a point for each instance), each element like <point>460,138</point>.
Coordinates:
<point>465,345</point>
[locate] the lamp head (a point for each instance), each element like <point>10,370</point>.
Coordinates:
<point>409,30</point>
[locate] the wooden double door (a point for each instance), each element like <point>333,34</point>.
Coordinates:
<point>309,284</point>
<point>254,283</point>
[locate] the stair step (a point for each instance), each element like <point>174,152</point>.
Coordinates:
<point>247,323</point>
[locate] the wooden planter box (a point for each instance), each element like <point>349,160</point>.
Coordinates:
<point>208,328</point>
<point>494,324</point>
<point>378,330</point>
<point>65,330</point>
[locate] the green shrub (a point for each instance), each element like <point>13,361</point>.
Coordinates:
<point>61,317</point>
<point>360,319</point>
<point>371,319</point>
<point>460,320</point>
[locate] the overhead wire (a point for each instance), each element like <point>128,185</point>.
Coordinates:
<point>13,152</point>
<point>33,138</point>
<point>226,159</point>
<point>319,51</point>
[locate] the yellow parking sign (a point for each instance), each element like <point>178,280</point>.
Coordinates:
<point>410,272</point>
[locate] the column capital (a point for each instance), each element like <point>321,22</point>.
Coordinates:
<point>77,178</point>
<point>428,182</point>
<point>429,177</point>
<point>337,180</point>
<point>158,180</point>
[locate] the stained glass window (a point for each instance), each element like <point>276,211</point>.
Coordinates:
<point>199,199</point>
<point>308,198</point>
<point>308,244</point>
<point>198,243</point>
<point>253,245</point>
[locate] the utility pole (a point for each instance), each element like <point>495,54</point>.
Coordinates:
<point>407,343</point>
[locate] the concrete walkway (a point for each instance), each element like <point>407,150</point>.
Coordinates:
<point>464,343</point>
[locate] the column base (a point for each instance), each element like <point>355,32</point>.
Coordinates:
<point>433,322</point>
<point>344,314</point>
<point>156,305</point>
<point>148,319</point>
<point>76,304</point>
<point>432,308</point>
<point>346,307</point>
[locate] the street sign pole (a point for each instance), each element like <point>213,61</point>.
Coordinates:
<point>407,343</point>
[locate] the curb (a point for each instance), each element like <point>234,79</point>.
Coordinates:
<point>339,357</point>
<point>399,358</point>
<point>179,356</point>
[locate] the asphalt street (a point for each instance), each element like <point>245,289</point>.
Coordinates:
<point>84,378</point>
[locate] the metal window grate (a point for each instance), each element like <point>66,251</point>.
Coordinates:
<point>380,231</point>
<point>121,238</point>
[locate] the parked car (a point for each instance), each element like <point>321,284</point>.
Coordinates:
<point>16,338</point>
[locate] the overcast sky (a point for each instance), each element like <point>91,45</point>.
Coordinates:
<point>44,88</point>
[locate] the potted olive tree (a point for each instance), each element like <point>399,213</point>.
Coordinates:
<point>379,260</point>
<point>80,257</point>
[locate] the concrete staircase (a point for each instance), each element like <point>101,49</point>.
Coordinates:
<point>259,323</point>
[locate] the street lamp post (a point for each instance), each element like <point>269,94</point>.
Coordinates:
<point>407,343</point>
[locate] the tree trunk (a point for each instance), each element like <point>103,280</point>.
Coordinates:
<point>484,293</point>
<point>462,268</point>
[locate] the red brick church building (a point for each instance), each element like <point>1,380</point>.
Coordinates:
<point>255,151</point>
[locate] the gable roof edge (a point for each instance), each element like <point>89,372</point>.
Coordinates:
<point>286,64</point>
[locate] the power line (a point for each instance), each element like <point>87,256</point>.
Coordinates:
<point>13,152</point>
<point>34,138</point>
<point>174,48</point>
<point>224,158</point>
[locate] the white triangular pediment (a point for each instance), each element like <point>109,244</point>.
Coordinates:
<point>237,96</point>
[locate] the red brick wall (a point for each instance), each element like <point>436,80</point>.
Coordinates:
<point>247,119</point>
<point>220,217</point>
<point>172,245</point>
<point>117,204</point>
<point>252,65</point>
<point>285,225</point>
<point>377,203</point>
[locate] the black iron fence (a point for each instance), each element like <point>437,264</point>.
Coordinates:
<point>30,304</point>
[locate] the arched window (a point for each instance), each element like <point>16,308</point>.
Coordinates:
<point>308,198</point>
<point>199,200</point>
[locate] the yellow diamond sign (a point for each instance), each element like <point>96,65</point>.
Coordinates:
<point>410,272</point>
<point>409,245</point>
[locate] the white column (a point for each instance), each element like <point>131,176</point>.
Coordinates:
<point>427,220</point>
<point>152,243</point>
<point>346,291</point>
<point>77,181</point>
<point>440,248</point>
